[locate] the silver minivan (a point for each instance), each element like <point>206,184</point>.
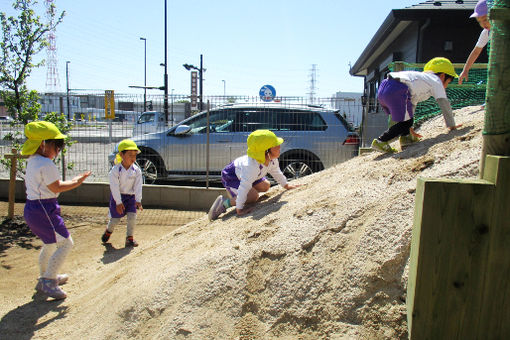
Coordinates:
<point>202,145</point>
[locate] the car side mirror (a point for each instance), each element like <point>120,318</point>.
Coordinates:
<point>182,130</point>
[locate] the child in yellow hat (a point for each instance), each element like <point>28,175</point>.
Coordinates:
<point>244,178</point>
<point>399,94</point>
<point>42,211</point>
<point>126,191</point>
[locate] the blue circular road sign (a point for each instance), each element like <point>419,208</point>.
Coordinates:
<point>267,93</point>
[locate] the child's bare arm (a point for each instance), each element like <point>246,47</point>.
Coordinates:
<point>62,186</point>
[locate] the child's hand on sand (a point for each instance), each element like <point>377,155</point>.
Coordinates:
<point>292,186</point>
<point>244,211</point>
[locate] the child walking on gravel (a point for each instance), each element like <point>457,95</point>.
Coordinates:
<point>42,211</point>
<point>126,191</point>
<point>244,178</point>
<point>400,92</point>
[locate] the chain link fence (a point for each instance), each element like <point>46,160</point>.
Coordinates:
<point>318,133</point>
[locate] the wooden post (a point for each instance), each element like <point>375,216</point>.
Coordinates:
<point>458,284</point>
<point>12,181</point>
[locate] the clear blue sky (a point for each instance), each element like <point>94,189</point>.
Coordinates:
<point>246,43</point>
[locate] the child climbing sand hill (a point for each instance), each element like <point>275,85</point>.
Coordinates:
<point>244,178</point>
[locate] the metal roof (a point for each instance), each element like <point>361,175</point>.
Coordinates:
<point>398,20</point>
<point>447,4</point>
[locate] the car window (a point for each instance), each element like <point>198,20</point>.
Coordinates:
<point>220,121</point>
<point>293,120</point>
<point>345,123</point>
<point>146,118</point>
<point>248,120</point>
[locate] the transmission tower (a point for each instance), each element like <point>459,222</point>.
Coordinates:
<point>313,82</point>
<point>52,79</point>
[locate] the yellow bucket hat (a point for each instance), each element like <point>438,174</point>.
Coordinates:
<point>38,131</point>
<point>125,145</point>
<point>259,141</point>
<point>441,65</point>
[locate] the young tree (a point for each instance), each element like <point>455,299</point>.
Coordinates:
<point>22,37</point>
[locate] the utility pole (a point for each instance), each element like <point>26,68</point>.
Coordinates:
<point>201,84</point>
<point>165,103</point>
<point>67,86</point>
<point>144,74</point>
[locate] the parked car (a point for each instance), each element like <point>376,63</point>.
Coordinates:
<point>6,119</point>
<point>148,122</point>
<point>315,138</point>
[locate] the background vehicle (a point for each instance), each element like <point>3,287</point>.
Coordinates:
<point>315,138</point>
<point>5,119</point>
<point>148,122</point>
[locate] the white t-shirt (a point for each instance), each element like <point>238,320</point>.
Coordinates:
<point>483,39</point>
<point>128,182</point>
<point>422,85</point>
<point>41,171</point>
<point>248,170</point>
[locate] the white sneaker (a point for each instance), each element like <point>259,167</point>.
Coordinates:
<point>217,208</point>
<point>62,279</point>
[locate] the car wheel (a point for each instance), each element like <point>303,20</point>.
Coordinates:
<point>294,168</point>
<point>149,169</point>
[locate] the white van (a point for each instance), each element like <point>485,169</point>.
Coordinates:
<point>149,122</point>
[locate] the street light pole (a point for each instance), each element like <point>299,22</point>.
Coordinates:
<point>224,87</point>
<point>165,103</point>
<point>201,71</point>
<point>67,87</point>
<point>144,74</point>
<point>201,84</point>
<point>172,106</point>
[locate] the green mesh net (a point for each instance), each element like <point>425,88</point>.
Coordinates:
<point>471,92</point>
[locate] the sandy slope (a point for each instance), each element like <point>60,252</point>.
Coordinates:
<point>324,261</point>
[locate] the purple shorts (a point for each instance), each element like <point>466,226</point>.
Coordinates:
<point>43,218</point>
<point>395,100</point>
<point>230,180</point>
<point>129,205</point>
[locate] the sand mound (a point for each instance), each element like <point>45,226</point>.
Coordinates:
<point>326,260</point>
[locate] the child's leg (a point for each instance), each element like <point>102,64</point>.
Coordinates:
<point>262,186</point>
<point>64,245</point>
<point>398,129</point>
<point>112,223</point>
<point>131,222</point>
<point>44,257</point>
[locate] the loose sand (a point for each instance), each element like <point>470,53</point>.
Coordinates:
<point>327,260</point>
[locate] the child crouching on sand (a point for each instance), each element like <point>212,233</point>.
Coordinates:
<point>244,177</point>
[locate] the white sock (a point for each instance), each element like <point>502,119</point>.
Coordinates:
<point>131,222</point>
<point>64,245</point>
<point>44,257</point>
<point>111,225</point>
